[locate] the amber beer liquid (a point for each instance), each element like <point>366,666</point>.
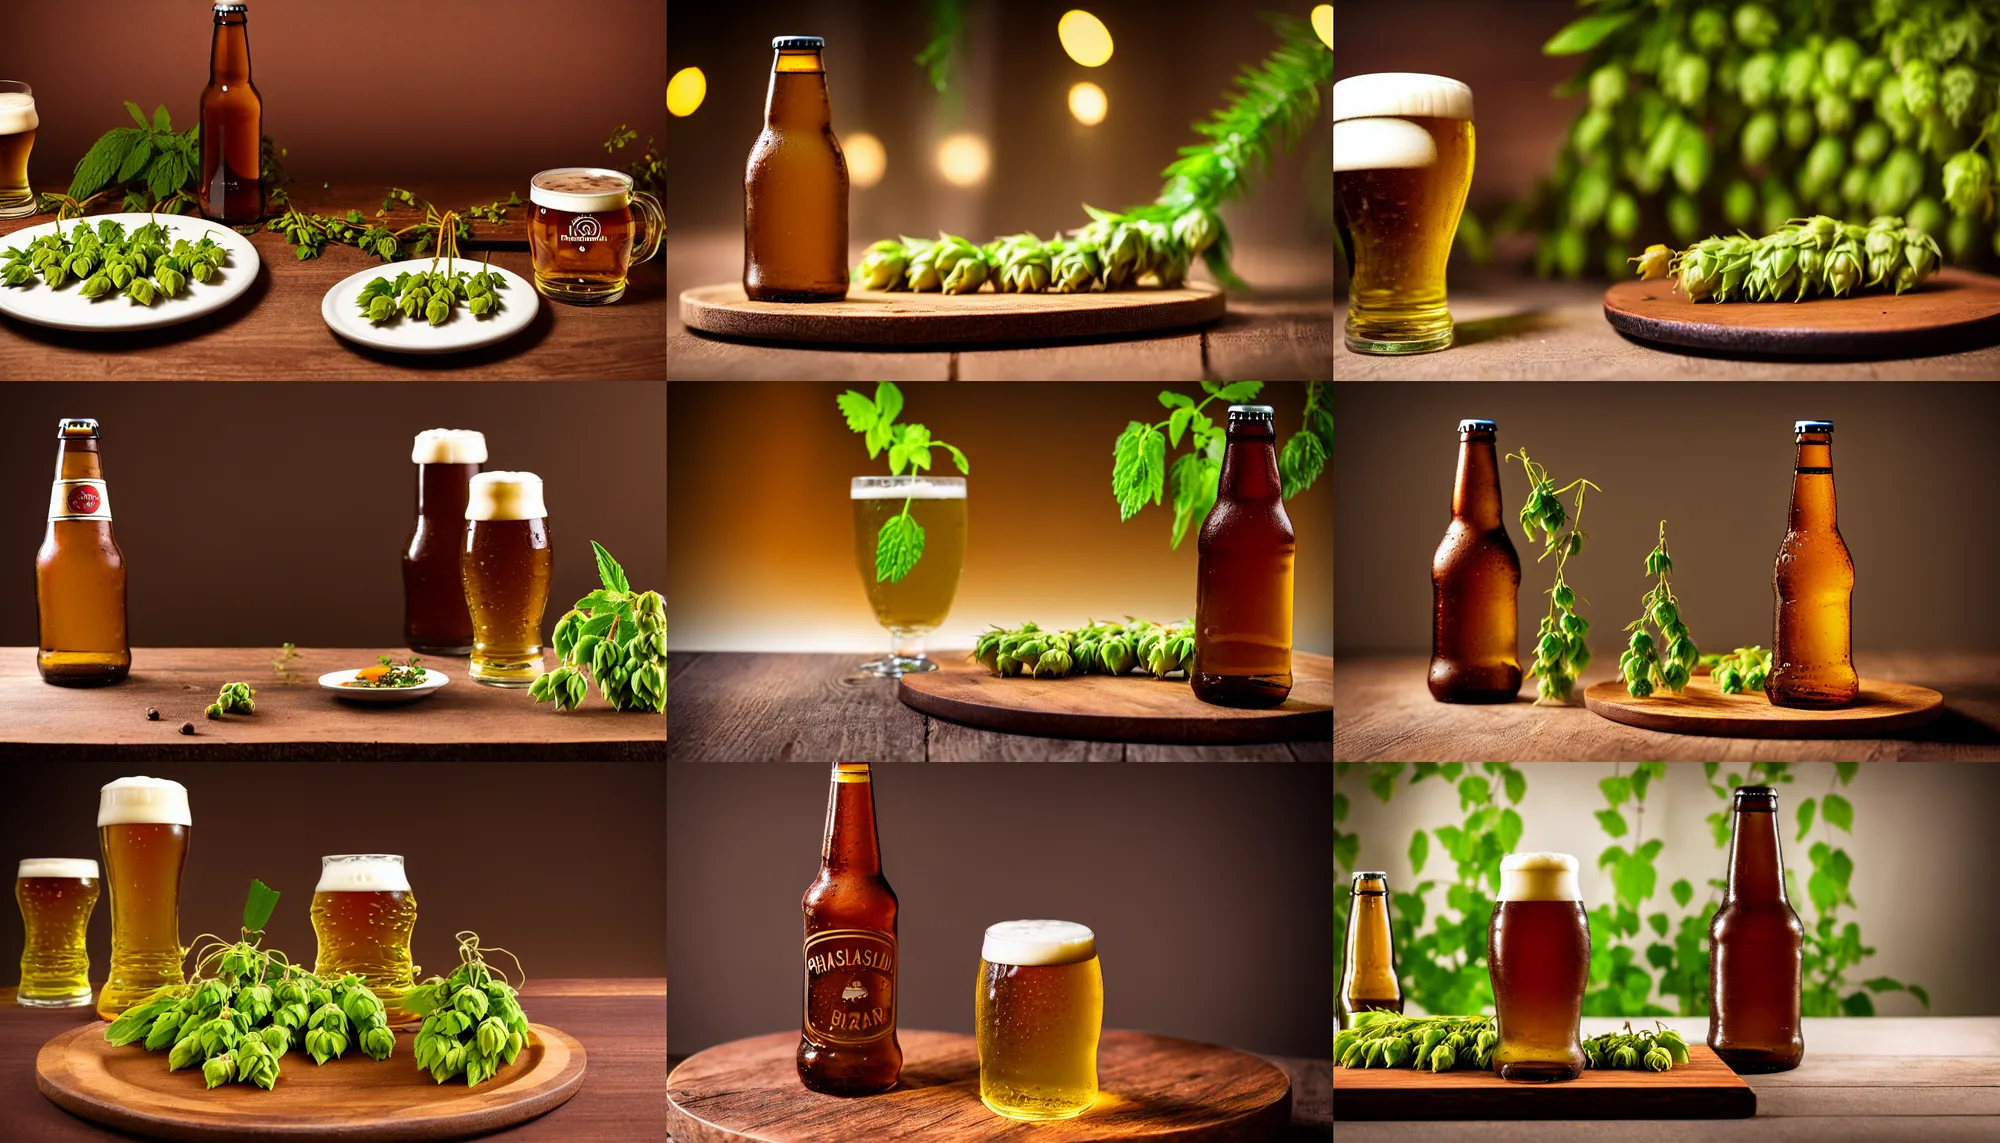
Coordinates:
<point>232,124</point>
<point>79,571</point>
<point>795,190</point>
<point>143,824</point>
<point>1475,584</point>
<point>1243,580</point>
<point>847,1034</point>
<point>57,896</point>
<point>507,565</point>
<point>18,123</point>
<point>1812,656</point>
<point>1756,943</point>
<point>363,913</point>
<point>1368,976</point>
<point>1538,951</point>
<point>435,619</point>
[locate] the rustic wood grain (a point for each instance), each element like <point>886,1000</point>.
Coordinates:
<point>985,316</point>
<point>1280,338</point>
<point>293,720</point>
<point>1883,709</point>
<point>1957,307</point>
<point>620,1023</point>
<point>1383,712</point>
<point>743,707</point>
<point>1702,1088</point>
<point>1152,1087</point>
<point>1165,357</point>
<point>275,332</point>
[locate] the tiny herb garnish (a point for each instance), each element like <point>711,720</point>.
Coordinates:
<point>1561,647</point>
<point>1139,469</point>
<point>310,232</point>
<point>282,665</point>
<point>1093,649</point>
<point>619,636</point>
<point>473,1023</point>
<point>235,698</point>
<point>389,675</point>
<point>1642,666</point>
<point>900,544</point>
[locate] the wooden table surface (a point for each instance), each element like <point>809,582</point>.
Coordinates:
<point>295,721</point>
<point>275,332</point>
<point>622,1024</point>
<point>1382,712</point>
<point>766,707</point>
<point>1880,1079</point>
<point>1514,328</point>
<point>1281,332</point>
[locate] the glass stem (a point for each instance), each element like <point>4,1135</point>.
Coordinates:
<point>906,642</point>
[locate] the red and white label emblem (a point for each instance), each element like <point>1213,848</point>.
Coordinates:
<point>84,500</point>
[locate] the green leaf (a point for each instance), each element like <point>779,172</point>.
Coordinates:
<point>1138,470</point>
<point>898,548</point>
<point>138,116</point>
<point>1585,34</point>
<point>888,402</point>
<point>1838,812</point>
<point>1382,781</point>
<point>1846,771</point>
<point>1178,423</point>
<point>1617,790</point>
<point>162,122</point>
<point>1420,851</point>
<point>1858,1004</point>
<point>608,570</point>
<point>1882,984</point>
<point>1172,400</point>
<point>101,163</point>
<point>1682,891</point>
<point>263,899</point>
<point>1516,784</point>
<point>1634,880</point>
<point>1612,822</point>
<point>1237,392</point>
<point>1806,817</point>
<point>1920,994</point>
<point>1187,482</point>
<point>1300,464</point>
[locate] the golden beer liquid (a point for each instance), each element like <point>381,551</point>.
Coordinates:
<point>1368,978</point>
<point>368,932</point>
<point>587,228</point>
<point>1038,1027</point>
<point>55,965</point>
<point>142,866</point>
<point>920,600</point>
<point>18,123</point>
<point>795,190</point>
<point>1812,644</point>
<point>80,572</point>
<point>1399,224</point>
<point>507,566</point>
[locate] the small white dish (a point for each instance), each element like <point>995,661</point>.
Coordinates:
<point>332,681</point>
<point>519,302</point>
<point>68,309</point>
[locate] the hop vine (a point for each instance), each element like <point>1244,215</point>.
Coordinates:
<point>1562,648</point>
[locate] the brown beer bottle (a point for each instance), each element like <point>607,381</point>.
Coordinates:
<point>795,191</point>
<point>79,571</point>
<point>435,618</point>
<point>847,1038</point>
<point>1368,976</point>
<point>1243,580</point>
<point>1755,941</point>
<point>1812,655</point>
<point>1475,584</point>
<point>232,123</point>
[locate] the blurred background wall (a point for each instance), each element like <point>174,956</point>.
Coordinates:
<point>762,550</point>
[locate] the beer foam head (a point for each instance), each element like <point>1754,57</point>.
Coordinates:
<point>17,113</point>
<point>897,488</point>
<point>143,801</point>
<point>362,873</point>
<point>449,446</point>
<point>1038,943</point>
<point>506,496</point>
<point>1398,94</point>
<point>1538,877</point>
<point>58,867</point>
<point>581,190</point>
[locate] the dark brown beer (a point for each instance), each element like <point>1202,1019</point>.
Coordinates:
<point>1475,584</point>
<point>1243,581</point>
<point>1755,942</point>
<point>79,571</point>
<point>435,619</point>
<point>795,191</point>
<point>1812,650</point>
<point>847,1035</point>
<point>232,124</point>
<point>1538,953</point>
<point>1368,974</point>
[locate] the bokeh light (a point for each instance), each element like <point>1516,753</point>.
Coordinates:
<point>962,159</point>
<point>1084,37</point>
<point>686,91</point>
<point>1323,22</point>
<point>866,160</point>
<point>1087,103</point>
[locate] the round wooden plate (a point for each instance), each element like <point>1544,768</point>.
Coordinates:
<point>871,317</point>
<point>1884,709</point>
<point>1156,1088</point>
<point>353,1098</point>
<point>1956,310</point>
<point>1135,708</point>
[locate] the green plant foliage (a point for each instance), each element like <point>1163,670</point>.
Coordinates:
<point>1561,647</point>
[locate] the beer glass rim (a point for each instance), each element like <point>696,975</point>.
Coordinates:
<point>58,867</point>
<point>580,203</point>
<point>398,880</point>
<point>1040,943</point>
<point>166,802</point>
<point>948,487</point>
<point>1366,96</point>
<point>16,86</point>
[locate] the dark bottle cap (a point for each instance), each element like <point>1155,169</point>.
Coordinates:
<point>1475,426</point>
<point>1757,798</point>
<point>76,428</point>
<point>1371,875</point>
<point>1812,426</point>
<point>799,43</point>
<point>1250,413</point>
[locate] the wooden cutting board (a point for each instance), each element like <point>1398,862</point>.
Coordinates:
<point>1157,1088</point>
<point>1883,709</point>
<point>350,1099</point>
<point>871,317</point>
<point>1955,310</point>
<point>1133,708</point>
<point>1702,1088</point>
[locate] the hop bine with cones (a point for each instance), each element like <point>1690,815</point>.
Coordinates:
<point>1803,259</point>
<point>1114,252</point>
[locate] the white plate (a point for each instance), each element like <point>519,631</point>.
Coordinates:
<point>518,304</point>
<point>67,309</point>
<point>332,680</point>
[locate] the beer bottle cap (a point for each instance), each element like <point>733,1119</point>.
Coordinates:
<point>1760,797</point>
<point>1474,425</point>
<point>1369,875</point>
<point>1249,412</point>
<point>1812,426</point>
<point>799,43</point>
<point>70,428</point>
<point>231,6</point>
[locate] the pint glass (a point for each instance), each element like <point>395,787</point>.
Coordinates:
<point>1038,1010</point>
<point>1538,950</point>
<point>143,824</point>
<point>18,123</point>
<point>362,913</point>
<point>56,895</point>
<point>507,564</point>
<point>1402,161</point>
<point>917,603</point>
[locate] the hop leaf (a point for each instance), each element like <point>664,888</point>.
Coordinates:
<point>898,548</point>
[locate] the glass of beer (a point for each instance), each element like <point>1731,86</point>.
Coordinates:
<point>57,896</point>
<point>507,564</point>
<point>435,621</point>
<point>143,824</point>
<point>916,604</point>
<point>1538,951</point>
<point>1402,162</point>
<point>585,235</point>
<point>362,913</point>
<point>1038,1010</point>
<point>18,122</point>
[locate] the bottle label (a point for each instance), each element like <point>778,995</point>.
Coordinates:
<point>79,500</point>
<point>851,985</point>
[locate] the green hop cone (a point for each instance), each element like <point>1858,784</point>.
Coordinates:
<point>1958,92</point>
<point>1624,1057</point>
<point>961,266</point>
<point>1197,229</point>
<point>1657,1059</point>
<point>1074,268</point>
<point>1920,87</point>
<point>922,273</point>
<point>1968,178</point>
<point>1755,26</point>
<point>883,266</point>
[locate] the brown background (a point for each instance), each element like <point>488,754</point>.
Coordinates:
<point>771,565</point>
<point>402,91</point>
<point>561,865</point>
<point>1206,886</point>
<point>1911,465</point>
<point>253,515</point>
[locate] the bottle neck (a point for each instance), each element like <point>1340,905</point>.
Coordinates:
<point>1756,869</point>
<point>797,99</point>
<point>1812,484</point>
<point>1250,464</point>
<point>850,844</point>
<point>229,49</point>
<point>444,489</point>
<point>1475,498</point>
<point>78,460</point>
